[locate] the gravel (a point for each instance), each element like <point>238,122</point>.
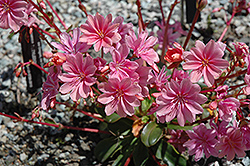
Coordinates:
<point>31,144</point>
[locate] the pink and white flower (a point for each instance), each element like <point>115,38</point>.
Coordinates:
<point>142,47</point>
<point>206,61</point>
<point>119,96</point>
<point>202,140</point>
<point>71,46</point>
<point>227,107</point>
<point>182,100</point>
<point>79,76</point>
<point>12,14</point>
<point>121,67</point>
<point>100,31</point>
<point>231,143</point>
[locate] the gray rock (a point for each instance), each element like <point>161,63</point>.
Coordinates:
<point>43,156</point>
<point>85,146</point>
<point>9,159</point>
<point>11,124</point>
<point>23,157</point>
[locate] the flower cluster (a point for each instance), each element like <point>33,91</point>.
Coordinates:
<point>191,89</point>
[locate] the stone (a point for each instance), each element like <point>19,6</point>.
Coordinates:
<point>23,157</point>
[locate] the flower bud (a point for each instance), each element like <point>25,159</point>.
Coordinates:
<point>201,4</point>
<point>18,71</point>
<point>42,4</point>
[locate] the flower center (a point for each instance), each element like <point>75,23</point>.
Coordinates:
<point>119,93</point>
<point>6,7</point>
<point>100,33</point>
<point>205,62</point>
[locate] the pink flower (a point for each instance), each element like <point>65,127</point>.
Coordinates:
<point>206,61</point>
<point>226,108</point>
<point>221,91</point>
<point>161,79</point>
<point>182,100</point>
<point>245,130</point>
<point>119,96</point>
<point>174,32</point>
<point>174,54</point>
<point>100,32</point>
<point>241,49</point>
<point>32,19</point>
<point>202,141</point>
<point>178,137</point>
<point>50,87</point>
<point>220,128</point>
<point>142,47</point>
<point>71,46</point>
<point>179,75</point>
<point>247,88</point>
<point>12,14</point>
<point>121,67</point>
<point>123,29</point>
<point>145,77</point>
<point>56,59</point>
<point>99,63</point>
<point>78,78</point>
<point>231,143</point>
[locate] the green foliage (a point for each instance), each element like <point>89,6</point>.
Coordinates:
<point>106,148</point>
<point>151,134</point>
<point>169,155</point>
<point>140,154</point>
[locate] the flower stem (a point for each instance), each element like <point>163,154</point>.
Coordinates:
<point>228,24</point>
<point>39,67</point>
<point>196,16</point>
<point>162,13</point>
<point>79,110</point>
<point>46,18</point>
<point>60,126</point>
<point>165,38</point>
<point>141,22</point>
<point>63,23</point>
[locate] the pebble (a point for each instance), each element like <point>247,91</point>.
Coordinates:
<point>43,157</point>
<point>23,157</point>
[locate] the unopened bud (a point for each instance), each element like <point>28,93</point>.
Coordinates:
<point>42,4</point>
<point>201,4</point>
<point>49,64</point>
<point>83,8</point>
<point>18,71</point>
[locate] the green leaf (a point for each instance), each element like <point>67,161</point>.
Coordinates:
<point>49,120</point>
<point>106,148</point>
<point>127,147</point>
<point>177,127</point>
<point>69,28</point>
<point>169,155</point>
<point>120,126</point>
<point>140,154</point>
<point>112,118</point>
<point>151,134</point>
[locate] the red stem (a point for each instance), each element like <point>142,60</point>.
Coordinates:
<point>54,125</point>
<point>155,159</point>
<point>162,13</point>
<point>79,110</point>
<point>64,25</point>
<point>138,3</point>
<point>165,39</point>
<point>228,24</point>
<point>197,13</point>
<point>46,18</point>
<point>205,91</point>
<point>47,33</point>
<point>39,67</point>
